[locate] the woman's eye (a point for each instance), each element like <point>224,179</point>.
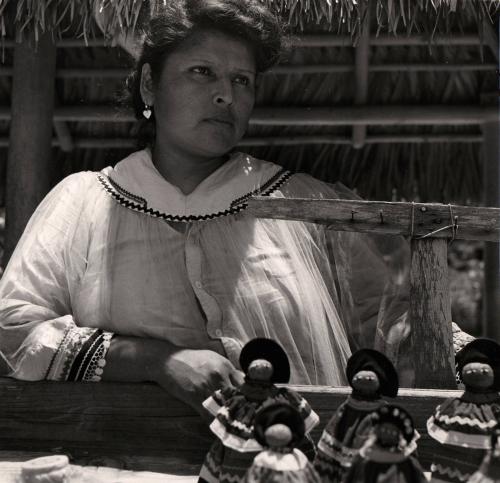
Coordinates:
<point>201,70</point>
<point>244,81</point>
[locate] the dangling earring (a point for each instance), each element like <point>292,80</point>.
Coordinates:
<point>147,111</point>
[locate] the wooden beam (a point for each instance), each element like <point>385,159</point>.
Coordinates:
<point>433,67</point>
<point>292,69</point>
<point>121,143</point>
<point>491,197</point>
<point>382,139</point>
<point>66,43</point>
<point>102,73</point>
<point>361,63</point>
<point>29,169</point>
<point>384,217</point>
<point>140,427</point>
<point>430,315</point>
<point>284,69</point>
<point>385,115</point>
<point>314,116</point>
<point>320,40</point>
<point>374,115</point>
<point>92,114</point>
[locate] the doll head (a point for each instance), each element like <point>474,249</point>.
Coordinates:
<point>264,360</point>
<point>366,382</point>
<point>260,370</point>
<point>478,365</point>
<point>370,373</point>
<point>278,436</point>
<point>393,424</point>
<point>279,425</point>
<point>478,375</point>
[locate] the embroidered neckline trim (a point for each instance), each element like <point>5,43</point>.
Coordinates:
<point>137,203</point>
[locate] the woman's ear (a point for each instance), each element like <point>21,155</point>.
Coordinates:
<point>146,85</point>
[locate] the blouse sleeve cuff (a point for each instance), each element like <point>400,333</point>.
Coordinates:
<point>460,338</point>
<point>81,355</point>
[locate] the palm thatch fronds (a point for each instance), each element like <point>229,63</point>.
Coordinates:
<point>34,17</point>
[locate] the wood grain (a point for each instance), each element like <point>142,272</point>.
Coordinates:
<point>139,426</point>
<point>383,115</point>
<point>491,254</point>
<point>417,219</point>
<point>430,314</point>
<point>311,116</point>
<point>30,163</point>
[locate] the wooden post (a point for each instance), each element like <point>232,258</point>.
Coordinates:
<point>29,173</point>
<point>361,64</point>
<point>491,180</point>
<point>430,314</point>
<point>430,310</point>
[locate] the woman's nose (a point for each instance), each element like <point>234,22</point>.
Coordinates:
<point>223,93</point>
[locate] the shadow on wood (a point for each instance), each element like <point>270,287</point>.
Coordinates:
<point>139,426</point>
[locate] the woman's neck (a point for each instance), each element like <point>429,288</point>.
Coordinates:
<point>183,170</point>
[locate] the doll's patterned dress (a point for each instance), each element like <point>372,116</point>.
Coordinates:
<point>388,462</point>
<point>285,466</point>
<point>235,409</point>
<point>489,471</point>
<point>343,436</point>
<point>466,425</point>
<point>463,426</point>
<point>382,466</point>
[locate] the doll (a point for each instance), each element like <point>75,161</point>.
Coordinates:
<point>265,363</point>
<point>489,471</point>
<point>386,456</point>
<point>371,375</point>
<point>464,425</point>
<point>279,428</point>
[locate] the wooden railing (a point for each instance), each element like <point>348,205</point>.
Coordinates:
<point>139,426</point>
<point>430,227</point>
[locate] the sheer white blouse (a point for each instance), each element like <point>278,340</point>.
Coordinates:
<point>126,252</point>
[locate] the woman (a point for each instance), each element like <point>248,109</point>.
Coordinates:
<point>153,270</point>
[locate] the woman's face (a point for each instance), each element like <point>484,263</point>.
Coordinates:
<point>205,94</point>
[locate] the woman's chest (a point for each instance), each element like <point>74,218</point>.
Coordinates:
<point>199,273</point>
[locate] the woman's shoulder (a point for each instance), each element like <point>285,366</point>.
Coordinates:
<point>301,185</point>
<point>71,187</point>
<point>73,195</point>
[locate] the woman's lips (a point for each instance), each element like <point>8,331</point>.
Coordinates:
<point>226,121</point>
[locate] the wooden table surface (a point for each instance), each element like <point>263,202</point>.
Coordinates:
<point>140,428</point>
<point>10,470</point>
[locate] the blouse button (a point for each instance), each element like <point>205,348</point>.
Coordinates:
<point>218,333</point>
<point>197,284</point>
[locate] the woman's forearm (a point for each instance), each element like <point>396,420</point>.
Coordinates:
<point>188,374</point>
<point>135,359</point>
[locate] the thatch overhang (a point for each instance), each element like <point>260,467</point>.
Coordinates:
<point>338,16</point>
<point>429,66</point>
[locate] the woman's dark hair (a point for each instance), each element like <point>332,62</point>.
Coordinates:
<point>174,21</point>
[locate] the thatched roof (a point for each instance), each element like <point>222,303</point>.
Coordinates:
<point>445,55</point>
<point>340,16</point>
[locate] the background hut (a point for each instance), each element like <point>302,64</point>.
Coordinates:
<point>397,99</point>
